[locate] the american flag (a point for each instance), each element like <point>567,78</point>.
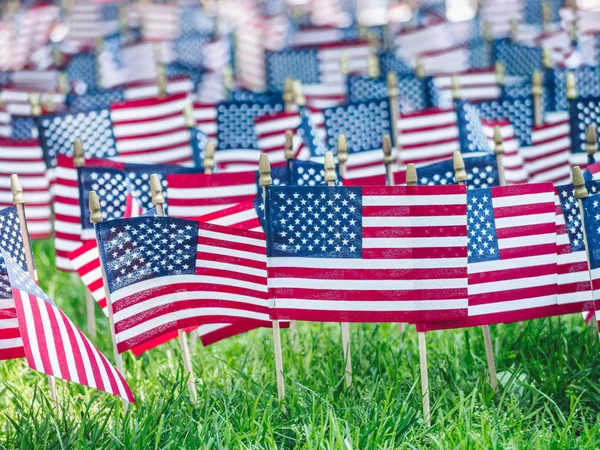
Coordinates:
<point>193,195</point>
<point>592,224</point>
<point>15,99</point>
<point>159,22</point>
<point>25,158</point>
<point>364,124</point>
<point>514,164</point>
<point>249,215</point>
<point>482,172</point>
<point>146,131</point>
<point>238,147</point>
<point>166,274</point>
<point>518,59</point>
<point>87,22</point>
<point>250,52</point>
<point>11,344</point>
<point>415,93</point>
<point>270,134</point>
<point>442,62</point>
<point>500,13</point>
<point>512,255</point>
<point>475,85</point>
<point>119,185</point>
<point>587,80</point>
<point>339,253</point>
<point>548,157</point>
<point>574,290</point>
<point>412,42</point>
<point>205,115</point>
<point>582,113</point>
<point>53,344</point>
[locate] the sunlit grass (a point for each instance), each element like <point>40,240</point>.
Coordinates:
<point>549,371</point>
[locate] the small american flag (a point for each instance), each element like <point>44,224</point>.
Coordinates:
<point>591,207</point>
<point>145,131</point>
<point>11,344</point>
<point>475,85</point>
<point>53,344</point>
<point>582,113</point>
<point>87,22</point>
<point>512,255</point>
<point>574,290</point>
<point>548,157</point>
<point>205,115</point>
<point>158,22</point>
<point>25,158</point>
<point>270,134</point>
<point>482,172</point>
<point>342,253</point>
<point>248,215</point>
<point>166,274</point>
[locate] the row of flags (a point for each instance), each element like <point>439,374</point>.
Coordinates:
<point>466,218</point>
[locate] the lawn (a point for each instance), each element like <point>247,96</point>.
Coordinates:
<point>549,396</point>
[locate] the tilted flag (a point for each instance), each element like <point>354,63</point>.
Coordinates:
<point>87,22</point>
<point>25,158</point>
<point>166,274</point>
<point>144,131</point>
<point>591,208</point>
<point>482,172</point>
<point>11,344</point>
<point>574,290</point>
<point>53,344</point>
<point>370,254</point>
<point>548,157</point>
<point>582,113</point>
<point>475,85</point>
<point>587,80</point>
<point>512,255</point>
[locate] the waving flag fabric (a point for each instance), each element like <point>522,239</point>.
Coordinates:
<point>166,274</point>
<point>582,113</point>
<point>53,344</point>
<point>11,344</point>
<point>476,85</point>
<point>145,131</point>
<point>415,93</point>
<point>548,157</point>
<point>512,255</point>
<point>342,254</point>
<point>574,291</point>
<point>482,172</point>
<point>25,159</point>
<point>592,224</point>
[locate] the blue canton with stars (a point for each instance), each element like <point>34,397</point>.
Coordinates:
<point>95,99</point>
<point>389,62</point>
<point>12,244</point>
<point>23,128</point>
<point>235,123</point>
<point>555,80</point>
<point>518,59</point>
<point>591,208</point>
<point>482,172</point>
<point>314,222</point>
<point>297,173</point>
<point>570,209</point>
<point>188,48</point>
<point>94,128</point>
<point>583,112</point>
<point>144,248</point>
<point>364,124</point>
<point>112,186</point>
<point>177,69</point>
<point>517,110</point>
<point>300,64</point>
<point>82,68</point>
<point>414,93</point>
<point>308,132</point>
<point>482,240</point>
<point>20,279</point>
<point>470,130</point>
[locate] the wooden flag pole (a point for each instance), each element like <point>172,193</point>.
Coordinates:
<point>546,16</point>
<point>158,200</point>
<point>342,154</point>
<point>79,161</point>
<point>298,95</point>
<point>96,218</point>
<point>547,58</point>
<point>228,81</point>
<point>373,70</point>
<point>571,83</point>
<point>388,159</point>
<point>591,142</point>
<point>488,37</point>
<point>581,193</point>
<point>99,48</point>
<point>331,178</point>
<point>500,70</point>
<point>424,378</point>
<point>288,94</point>
<point>19,202</point>
<point>265,181</point>
<point>208,163</point>
<point>537,91</point>
<point>461,177</point>
<point>514,29</point>
<point>393,92</point>
<point>288,152</point>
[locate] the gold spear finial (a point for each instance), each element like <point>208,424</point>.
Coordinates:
<point>392,84</point>
<point>488,35</point>
<point>420,69</point>
<point>264,170</point>
<point>208,163</point>
<point>571,86</point>
<point>536,83</point>
<point>458,163</point>
<point>78,155</point>
<point>299,98</point>
<point>411,175</point>
<point>158,199</point>
<point>591,141</point>
<point>342,149</point>
<point>579,183</point>
<point>547,58</point>
<point>329,165</point>
<point>34,103</point>
<point>95,213</point>
<point>344,64</point>
<point>373,66</point>
<point>188,114</point>
<point>386,147</point>
<point>498,141</point>
<point>500,70</point>
<point>16,189</point>
<point>288,146</point>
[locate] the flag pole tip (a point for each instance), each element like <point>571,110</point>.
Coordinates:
<point>342,149</point>
<point>156,189</point>
<point>16,189</point>
<point>329,166</point>
<point>264,170</point>
<point>411,175</point>
<point>94,203</point>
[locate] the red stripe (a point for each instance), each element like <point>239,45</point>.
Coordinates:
<point>415,253</point>
<point>203,180</point>
<point>173,201</point>
<point>38,334</point>
<point>394,295</point>
<point>414,210</point>
<point>74,349</point>
<point>243,262</point>
<point>376,191</point>
<point>526,230</point>
<point>523,210</point>
<point>366,274</point>
<point>414,232</point>
<point>511,274</point>
<point>60,346</point>
<point>512,294</point>
<point>531,250</point>
<point>234,232</point>
<point>93,364</point>
<point>309,315</point>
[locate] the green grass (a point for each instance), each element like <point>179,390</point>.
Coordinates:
<point>549,399</point>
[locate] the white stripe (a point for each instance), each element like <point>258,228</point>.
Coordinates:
<point>366,285</point>
<point>351,263</point>
<point>371,306</point>
<point>512,284</point>
<point>260,243</point>
<point>513,305</point>
<point>520,221</point>
<point>414,200</point>
<point>408,221</point>
<point>211,191</point>
<point>429,242</point>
